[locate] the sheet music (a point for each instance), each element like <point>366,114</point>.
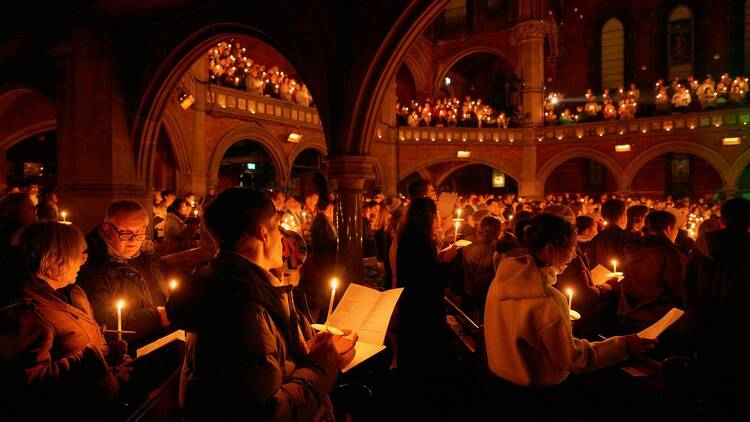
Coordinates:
<point>175,335</point>
<point>659,326</point>
<point>600,275</point>
<point>445,203</point>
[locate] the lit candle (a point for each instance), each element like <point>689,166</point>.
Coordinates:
<point>458,213</point>
<point>570,298</point>
<point>455,233</point>
<point>614,265</point>
<point>64,215</point>
<point>120,304</point>
<point>195,213</point>
<point>172,285</point>
<point>334,284</point>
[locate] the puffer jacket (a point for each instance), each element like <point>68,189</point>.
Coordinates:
<point>527,329</point>
<point>51,361</point>
<point>246,355</point>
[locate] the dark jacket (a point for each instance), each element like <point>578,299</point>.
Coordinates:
<point>479,270</point>
<point>421,310</point>
<point>607,245</point>
<point>591,301</point>
<point>717,295</point>
<point>51,362</point>
<point>653,281</point>
<point>245,356</point>
<point>107,279</point>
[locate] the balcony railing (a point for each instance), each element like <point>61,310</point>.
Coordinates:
<point>243,104</point>
<point>645,126</point>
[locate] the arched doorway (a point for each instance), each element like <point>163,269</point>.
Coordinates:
<point>482,76</point>
<point>307,174</point>
<point>480,179</point>
<point>247,163</point>
<point>403,184</point>
<point>33,160</point>
<point>677,174</point>
<point>580,174</point>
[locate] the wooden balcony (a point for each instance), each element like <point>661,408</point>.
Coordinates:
<point>241,104</point>
<point>725,119</point>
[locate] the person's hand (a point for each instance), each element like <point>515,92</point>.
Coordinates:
<point>636,344</point>
<point>115,352</point>
<point>322,349</point>
<point>447,255</point>
<point>163,316</point>
<point>345,347</point>
<point>122,371</point>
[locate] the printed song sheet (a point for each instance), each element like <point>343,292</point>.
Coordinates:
<point>600,275</point>
<point>366,312</point>
<point>659,326</point>
<point>175,335</point>
<point>445,203</point>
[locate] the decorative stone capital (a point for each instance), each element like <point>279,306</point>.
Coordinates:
<point>528,31</point>
<point>350,172</point>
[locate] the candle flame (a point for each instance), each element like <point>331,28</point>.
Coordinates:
<point>173,284</point>
<point>569,292</point>
<point>120,304</point>
<point>334,283</point>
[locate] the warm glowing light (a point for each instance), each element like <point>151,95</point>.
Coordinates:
<point>173,284</point>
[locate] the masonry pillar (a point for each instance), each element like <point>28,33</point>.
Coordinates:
<point>528,39</point>
<point>529,186</point>
<point>347,175</point>
<point>385,145</point>
<point>96,162</point>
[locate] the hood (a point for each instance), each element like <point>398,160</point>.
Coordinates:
<point>723,244</point>
<point>520,278</point>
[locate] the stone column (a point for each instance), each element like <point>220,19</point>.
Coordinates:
<point>347,175</point>
<point>528,39</point>
<point>529,186</point>
<point>95,153</point>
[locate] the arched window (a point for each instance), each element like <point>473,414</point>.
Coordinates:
<point>613,54</point>
<point>747,36</point>
<point>680,42</point>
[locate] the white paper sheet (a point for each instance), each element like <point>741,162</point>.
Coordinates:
<point>175,335</point>
<point>600,275</point>
<point>659,326</point>
<point>445,203</point>
<point>366,312</point>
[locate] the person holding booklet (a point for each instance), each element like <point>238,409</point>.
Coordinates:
<point>527,329</point>
<point>249,352</point>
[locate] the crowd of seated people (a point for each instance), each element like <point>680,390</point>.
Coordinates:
<point>680,95</point>
<point>229,66</point>
<point>250,347</point>
<point>451,112</point>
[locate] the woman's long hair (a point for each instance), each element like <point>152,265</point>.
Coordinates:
<point>548,229</point>
<point>420,220</point>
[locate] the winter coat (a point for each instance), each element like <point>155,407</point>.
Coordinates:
<point>527,330</point>
<point>246,355</point>
<point>51,361</point>
<point>609,244</point>
<point>107,279</point>
<point>653,282</point>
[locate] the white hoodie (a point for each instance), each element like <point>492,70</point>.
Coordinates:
<point>528,333</point>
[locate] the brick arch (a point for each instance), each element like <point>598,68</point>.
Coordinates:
<point>419,67</point>
<point>494,163</point>
<point>318,143</point>
<point>468,162</point>
<point>582,152</point>
<point>446,67</point>
<point>252,133</point>
<point>735,172</point>
<point>711,156</point>
<point>17,125</point>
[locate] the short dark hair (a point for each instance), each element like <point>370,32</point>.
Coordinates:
<point>583,223</point>
<point>237,213</point>
<point>167,192</point>
<point>323,202</point>
<point>636,214</point>
<point>490,227</point>
<point>657,221</point>
<point>613,209</point>
<point>418,189</point>
<point>736,214</point>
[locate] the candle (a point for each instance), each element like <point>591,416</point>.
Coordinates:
<point>64,215</point>
<point>334,284</point>
<point>458,213</point>
<point>570,298</point>
<point>195,213</point>
<point>455,233</point>
<point>172,285</point>
<point>120,304</point>
<point>614,265</point>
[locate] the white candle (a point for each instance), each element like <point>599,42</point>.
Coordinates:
<point>334,284</point>
<point>195,213</point>
<point>458,213</point>
<point>570,299</point>
<point>455,233</point>
<point>614,265</point>
<point>120,304</point>
<point>64,214</point>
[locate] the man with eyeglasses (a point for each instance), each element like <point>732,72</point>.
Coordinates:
<point>117,269</point>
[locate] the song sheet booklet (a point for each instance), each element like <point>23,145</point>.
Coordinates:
<point>600,275</point>
<point>366,312</point>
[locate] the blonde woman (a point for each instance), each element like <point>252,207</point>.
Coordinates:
<point>54,362</point>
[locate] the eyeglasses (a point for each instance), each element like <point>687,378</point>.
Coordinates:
<point>128,235</point>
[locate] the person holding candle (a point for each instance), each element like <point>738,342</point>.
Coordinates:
<point>527,329</point>
<point>179,228</point>
<point>54,361</point>
<point>610,242</point>
<point>118,268</point>
<point>48,205</point>
<point>249,350</point>
<point>653,270</point>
